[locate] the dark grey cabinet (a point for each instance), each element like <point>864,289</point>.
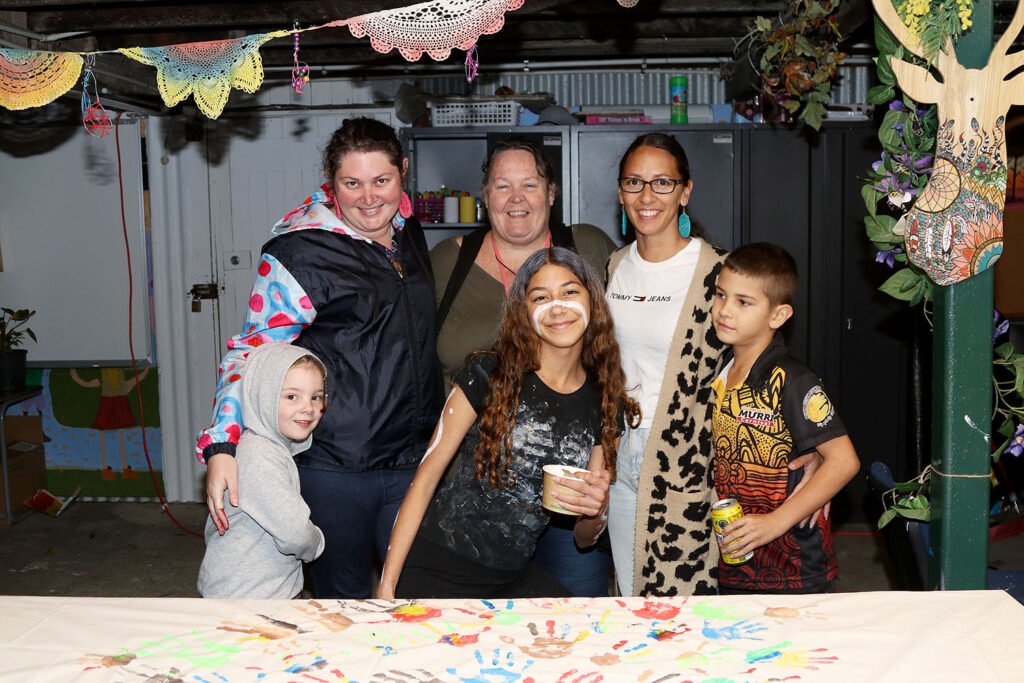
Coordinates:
<point>758,183</point>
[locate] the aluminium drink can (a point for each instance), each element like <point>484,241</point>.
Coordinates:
<point>723,512</point>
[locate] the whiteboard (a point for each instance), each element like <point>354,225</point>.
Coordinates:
<point>63,246</point>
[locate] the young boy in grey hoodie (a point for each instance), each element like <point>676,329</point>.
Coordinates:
<point>270,533</point>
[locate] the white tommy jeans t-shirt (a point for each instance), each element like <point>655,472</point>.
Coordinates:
<point>645,300</point>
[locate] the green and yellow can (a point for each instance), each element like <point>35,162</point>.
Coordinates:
<point>722,513</point>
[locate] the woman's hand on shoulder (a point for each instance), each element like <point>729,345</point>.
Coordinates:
<point>221,475</point>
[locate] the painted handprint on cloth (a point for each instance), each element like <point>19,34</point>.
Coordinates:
<point>709,609</point>
<point>550,644</point>
<point>334,622</point>
<point>417,676</point>
<point>793,613</point>
<point>500,667</point>
<point>741,629</point>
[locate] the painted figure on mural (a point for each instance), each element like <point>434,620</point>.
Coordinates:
<point>104,400</point>
<point>113,413</point>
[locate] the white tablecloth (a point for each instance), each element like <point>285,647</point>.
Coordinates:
<point>931,636</point>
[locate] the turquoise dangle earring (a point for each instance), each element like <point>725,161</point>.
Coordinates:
<point>623,222</point>
<point>684,223</point>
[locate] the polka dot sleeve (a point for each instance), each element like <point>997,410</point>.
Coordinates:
<point>278,311</point>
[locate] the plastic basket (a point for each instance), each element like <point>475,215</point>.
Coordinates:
<point>428,210</point>
<point>474,114</point>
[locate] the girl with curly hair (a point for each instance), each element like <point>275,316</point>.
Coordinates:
<point>551,392</point>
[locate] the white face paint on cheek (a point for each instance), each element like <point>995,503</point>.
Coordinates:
<point>575,305</point>
<point>440,427</point>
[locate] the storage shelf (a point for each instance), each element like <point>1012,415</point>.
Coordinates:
<point>450,226</point>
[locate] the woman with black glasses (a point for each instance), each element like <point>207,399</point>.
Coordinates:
<point>660,292</point>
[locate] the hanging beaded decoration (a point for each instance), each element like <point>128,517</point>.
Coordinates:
<point>472,64</point>
<point>95,118</point>
<point>300,70</point>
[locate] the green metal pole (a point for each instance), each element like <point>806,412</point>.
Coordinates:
<point>962,398</point>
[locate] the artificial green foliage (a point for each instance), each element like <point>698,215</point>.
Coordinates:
<point>932,22</point>
<point>1008,410</point>
<point>907,499</point>
<point>799,56</point>
<point>907,135</point>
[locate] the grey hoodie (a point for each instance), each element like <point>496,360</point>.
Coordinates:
<point>270,533</point>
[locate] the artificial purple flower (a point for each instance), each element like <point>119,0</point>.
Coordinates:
<point>1016,442</point>
<point>905,162</point>
<point>877,166</point>
<point>897,105</point>
<point>896,191</point>
<point>887,256</point>
<point>999,328</point>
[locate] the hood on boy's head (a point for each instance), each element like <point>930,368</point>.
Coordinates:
<point>262,379</point>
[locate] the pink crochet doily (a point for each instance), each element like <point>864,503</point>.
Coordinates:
<point>433,27</point>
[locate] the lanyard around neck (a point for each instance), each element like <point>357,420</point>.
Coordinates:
<point>501,264</point>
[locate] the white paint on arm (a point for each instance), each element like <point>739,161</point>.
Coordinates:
<point>440,425</point>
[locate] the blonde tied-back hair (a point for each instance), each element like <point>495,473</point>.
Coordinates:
<point>517,351</point>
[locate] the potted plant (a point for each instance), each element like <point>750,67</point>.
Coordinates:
<point>795,59</point>
<point>12,358</point>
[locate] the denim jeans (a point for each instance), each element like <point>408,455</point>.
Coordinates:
<point>622,505</point>
<point>356,511</point>
<point>583,571</point>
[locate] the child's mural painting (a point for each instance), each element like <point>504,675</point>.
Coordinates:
<point>92,430</point>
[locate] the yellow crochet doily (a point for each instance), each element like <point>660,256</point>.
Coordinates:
<point>207,71</point>
<point>30,78</point>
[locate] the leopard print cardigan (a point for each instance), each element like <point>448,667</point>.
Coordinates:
<point>675,552</point>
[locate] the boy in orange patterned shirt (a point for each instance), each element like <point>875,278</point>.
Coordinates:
<point>769,409</point>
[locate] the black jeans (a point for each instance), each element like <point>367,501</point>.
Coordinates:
<point>433,571</point>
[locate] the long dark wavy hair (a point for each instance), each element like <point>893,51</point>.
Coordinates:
<point>518,353</point>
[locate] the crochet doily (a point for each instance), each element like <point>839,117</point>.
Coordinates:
<point>433,27</point>
<point>207,71</point>
<point>29,78</point>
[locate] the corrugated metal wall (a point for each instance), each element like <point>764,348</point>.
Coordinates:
<point>601,86</point>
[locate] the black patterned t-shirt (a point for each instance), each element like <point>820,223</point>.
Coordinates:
<point>499,527</point>
<point>779,412</point>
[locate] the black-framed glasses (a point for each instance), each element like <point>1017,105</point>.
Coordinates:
<point>658,185</point>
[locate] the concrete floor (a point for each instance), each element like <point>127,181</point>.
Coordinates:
<point>135,550</point>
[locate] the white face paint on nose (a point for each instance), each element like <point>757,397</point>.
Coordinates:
<point>540,310</point>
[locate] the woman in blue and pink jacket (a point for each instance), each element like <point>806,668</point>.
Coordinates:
<point>347,277</point>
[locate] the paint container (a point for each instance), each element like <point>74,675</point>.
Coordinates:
<point>451,209</point>
<point>725,511</point>
<point>566,472</point>
<point>678,89</point>
<point>467,209</point>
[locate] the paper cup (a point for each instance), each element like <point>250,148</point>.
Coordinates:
<point>566,472</point>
